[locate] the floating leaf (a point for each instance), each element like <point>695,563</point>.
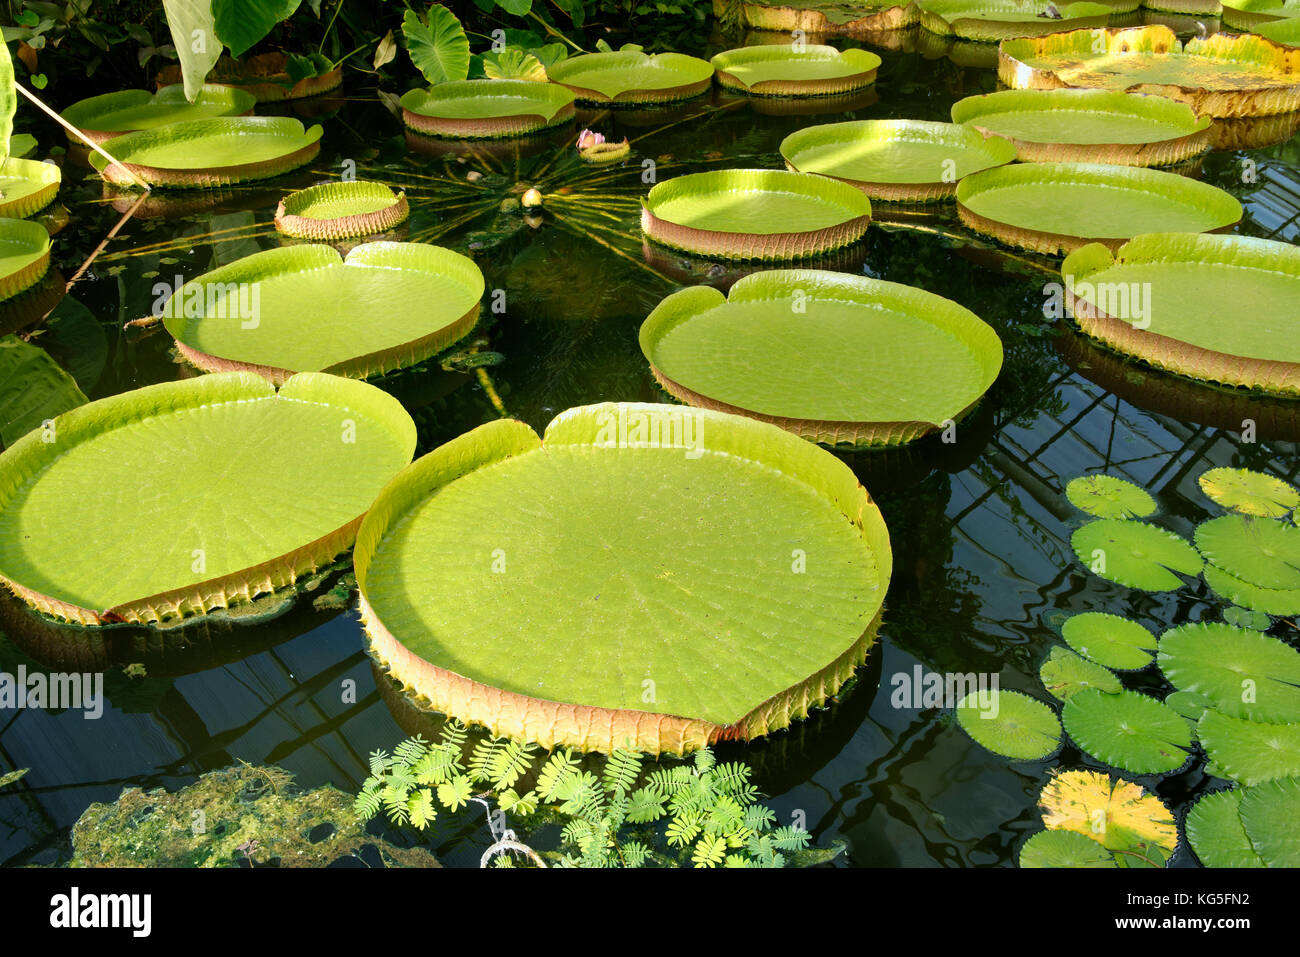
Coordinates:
<point>1117,814</point>
<point>33,389</point>
<point>1190,704</point>
<point>1215,831</point>
<point>1247,751</point>
<point>1264,601</point>
<point>1244,673</point>
<point>1064,673</point>
<point>1269,813</point>
<point>1260,551</point>
<point>1128,730</point>
<point>1250,492</point>
<point>1106,496</point>
<point>341,210</point>
<point>1135,554</point>
<point>1064,849</point>
<point>631,76</point>
<point>1110,640</point>
<point>1014,726</point>
<point>109,115</point>
<point>1248,618</point>
<point>486,108</point>
<point>787,70</point>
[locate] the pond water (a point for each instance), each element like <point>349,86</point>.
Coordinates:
<point>983,568</point>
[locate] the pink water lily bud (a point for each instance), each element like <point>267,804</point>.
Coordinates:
<point>588,139</point>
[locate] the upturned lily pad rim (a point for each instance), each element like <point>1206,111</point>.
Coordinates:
<point>785,17</point>
<point>994,150</point>
<point>1174,355</point>
<point>47,176</point>
<point>35,240</point>
<point>860,69</point>
<point>687,305</point>
<point>689,76</point>
<point>301,146</point>
<point>554,723</point>
<point>293,214</point>
<point>305,257</point>
<point>756,245</point>
<point>542,106</point>
<point>1221,208</point>
<point>982,109</point>
<point>959,18</point>
<point>25,459</point>
<point>89,115</point>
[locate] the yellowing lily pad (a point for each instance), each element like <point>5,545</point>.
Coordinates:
<point>1117,814</point>
<point>1250,492</point>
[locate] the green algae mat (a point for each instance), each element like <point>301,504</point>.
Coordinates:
<point>214,152</point>
<point>631,76</point>
<point>755,214</point>
<point>1055,208</point>
<point>24,255</point>
<point>895,160</point>
<point>487,108</point>
<point>1222,308</point>
<point>1220,76</point>
<point>1088,126</point>
<point>809,70</point>
<point>341,210</point>
<point>831,357</point>
<point>647,577</point>
<point>992,20</point>
<point>101,118</point>
<point>175,499</point>
<point>27,186</point>
<point>305,308</point>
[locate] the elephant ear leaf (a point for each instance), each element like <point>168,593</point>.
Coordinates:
<point>242,23</point>
<point>194,32</point>
<point>8,100</point>
<point>437,44</point>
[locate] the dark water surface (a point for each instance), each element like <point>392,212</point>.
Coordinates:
<point>983,567</point>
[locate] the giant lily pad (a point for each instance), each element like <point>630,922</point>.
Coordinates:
<point>1285,32</point>
<point>1219,75</point>
<point>613,584</point>
<point>1249,752</point>
<point>1219,308</point>
<point>1128,730</point>
<point>306,309</point>
<point>994,20</point>
<point>332,211</point>
<point>266,76</point>
<point>1010,724</point>
<point>27,186</point>
<point>831,357</point>
<point>1243,673</point>
<point>904,160</point>
<point>487,108</point>
<point>1259,551</point>
<point>755,214</point>
<point>1249,492</point>
<point>787,70</point>
<point>24,255</point>
<point>175,499</point>
<point>1111,640</point>
<point>1118,815</point>
<point>631,76</point>
<point>1055,208</point>
<point>1215,831</point>
<point>830,17</point>
<point>211,152</point>
<point>1135,554</point>
<point>101,118</point>
<point>1089,126</point>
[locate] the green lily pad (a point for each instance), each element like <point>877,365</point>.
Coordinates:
<point>1247,618</point>
<point>786,70</point>
<point>1064,849</point>
<point>1088,126</point>
<point>831,357</point>
<point>1056,208</point>
<point>1250,492</point>
<point>1249,14</point>
<point>1065,673</point>
<point>1218,75</point>
<point>307,309</point>
<point>1013,725</point>
<point>342,210</point>
<point>1135,554</point>
<point>1265,601</point>
<point>1220,308</point>
<point>215,152</point>
<point>33,389</point>
<point>1128,730</point>
<point>1109,497</point>
<point>631,76</point>
<point>1269,813</point>
<point>487,108</point>
<point>1190,704</point>
<point>1110,640</point>
<point>1249,752</point>
<point>611,584</point>
<point>1245,674</point>
<point>1260,551</point>
<point>1285,32</point>
<point>22,144</point>
<point>755,214</point>
<point>27,186</point>
<point>109,115</point>
<point>1215,831</point>
<point>989,21</point>
<point>895,160</point>
<point>215,516</point>
<point>24,255</point>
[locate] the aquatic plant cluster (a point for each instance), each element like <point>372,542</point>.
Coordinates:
<point>647,579</point>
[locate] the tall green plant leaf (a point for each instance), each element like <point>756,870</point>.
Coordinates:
<point>241,23</point>
<point>437,44</point>
<point>8,100</point>
<point>194,32</point>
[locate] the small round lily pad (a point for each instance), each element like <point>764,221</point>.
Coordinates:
<point>1249,752</point>
<point>1064,673</point>
<point>1243,673</point>
<point>1260,551</point>
<point>1269,813</point>
<point>1190,704</point>
<point>1011,724</point>
<point>1135,554</point>
<point>332,211</point>
<point>1250,492</point>
<point>1110,640</point>
<point>1064,849</point>
<point>1128,730</point>
<point>1263,601</point>
<point>1215,831</point>
<point>1107,496</point>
